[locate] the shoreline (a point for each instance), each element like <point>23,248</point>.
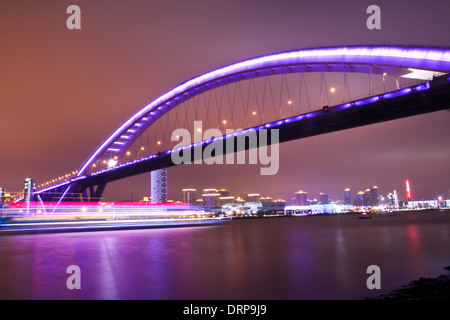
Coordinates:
<point>437,288</point>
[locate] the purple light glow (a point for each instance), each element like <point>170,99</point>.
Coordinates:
<point>397,93</point>
<point>422,87</point>
<point>367,100</point>
<point>415,57</point>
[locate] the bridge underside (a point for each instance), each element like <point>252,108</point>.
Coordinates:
<point>337,118</point>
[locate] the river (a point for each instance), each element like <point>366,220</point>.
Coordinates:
<point>290,258</point>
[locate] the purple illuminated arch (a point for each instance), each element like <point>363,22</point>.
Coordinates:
<point>362,59</point>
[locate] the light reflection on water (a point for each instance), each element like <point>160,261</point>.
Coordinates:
<point>282,258</point>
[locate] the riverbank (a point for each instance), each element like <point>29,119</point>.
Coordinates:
<point>422,289</point>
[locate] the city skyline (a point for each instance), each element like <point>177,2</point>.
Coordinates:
<point>301,195</point>
<point>188,152</point>
<point>104,72</point>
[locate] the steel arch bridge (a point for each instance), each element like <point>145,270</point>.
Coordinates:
<point>91,178</point>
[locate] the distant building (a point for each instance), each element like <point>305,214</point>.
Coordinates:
<point>330,208</point>
<point>28,191</point>
<point>6,197</point>
<point>239,200</point>
<point>429,204</point>
<point>254,208</point>
<point>301,198</point>
<point>347,197</point>
<point>224,200</point>
<point>211,198</point>
<point>390,199</point>
<point>323,198</point>
<point>253,197</point>
<point>367,197</point>
<point>189,195</point>
<point>359,200</point>
<point>374,196</point>
<point>223,192</point>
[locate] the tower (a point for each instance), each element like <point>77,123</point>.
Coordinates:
<point>159,185</point>
<point>408,191</point>
<point>301,198</point>
<point>373,196</point>
<point>359,201</point>
<point>189,195</point>
<point>347,199</point>
<point>323,197</point>
<point>28,190</point>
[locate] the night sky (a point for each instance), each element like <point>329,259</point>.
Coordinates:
<point>63,91</point>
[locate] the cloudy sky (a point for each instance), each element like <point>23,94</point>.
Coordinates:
<point>63,91</point>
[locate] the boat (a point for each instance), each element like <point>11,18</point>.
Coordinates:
<point>224,216</point>
<point>364,215</point>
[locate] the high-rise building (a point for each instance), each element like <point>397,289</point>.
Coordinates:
<point>323,198</point>
<point>211,198</point>
<point>28,190</point>
<point>189,195</point>
<point>359,200</point>
<point>301,198</point>
<point>374,196</point>
<point>390,199</point>
<point>367,197</point>
<point>159,185</point>
<point>347,198</point>
<point>395,199</point>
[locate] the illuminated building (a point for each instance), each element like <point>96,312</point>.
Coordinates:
<point>211,198</point>
<point>223,192</point>
<point>359,201</point>
<point>301,198</point>
<point>347,198</point>
<point>28,191</point>
<point>323,198</point>
<point>209,191</point>
<point>224,200</point>
<point>373,196</point>
<point>159,185</point>
<point>239,200</point>
<point>189,195</point>
<point>253,197</point>
<point>390,199</point>
<point>366,198</point>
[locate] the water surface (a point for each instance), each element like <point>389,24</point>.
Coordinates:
<point>315,257</point>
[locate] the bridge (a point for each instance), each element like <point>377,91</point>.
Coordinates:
<point>301,93</point>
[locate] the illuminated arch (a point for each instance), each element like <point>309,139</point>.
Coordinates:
<point>362,59</point>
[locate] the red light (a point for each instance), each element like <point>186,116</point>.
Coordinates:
<point>408,190</point>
